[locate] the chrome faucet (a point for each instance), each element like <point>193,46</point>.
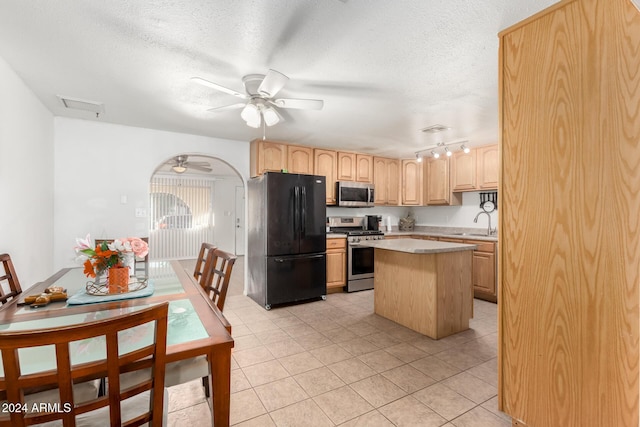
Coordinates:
<point>489,230</point>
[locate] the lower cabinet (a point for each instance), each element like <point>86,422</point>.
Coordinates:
<point>336,264</point>
<point>483,269</point>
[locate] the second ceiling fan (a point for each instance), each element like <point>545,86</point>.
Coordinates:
<point>260,104</point>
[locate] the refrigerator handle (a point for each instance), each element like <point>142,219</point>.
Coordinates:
<point>296,211</point>
<point>303,212</point>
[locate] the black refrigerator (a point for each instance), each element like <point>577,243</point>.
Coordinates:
<point>286,252</point>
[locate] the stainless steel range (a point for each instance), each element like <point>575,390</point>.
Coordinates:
<point>360,269</point>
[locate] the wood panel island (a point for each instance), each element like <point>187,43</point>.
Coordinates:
<point>424,285</point>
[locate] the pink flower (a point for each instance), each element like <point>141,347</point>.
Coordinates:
<point>139,247</point>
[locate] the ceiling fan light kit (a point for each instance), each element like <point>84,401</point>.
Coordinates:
<point>181,163</point>
<point>260,90</point>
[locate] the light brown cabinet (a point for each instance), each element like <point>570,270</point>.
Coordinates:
<point>300,159</point>
<point>326,164</point>
<point>386,179</point>
<point>483,269</point>
<point>364,168</point>
<point>411,182</point>
<point>488,166</point>
<point>267,156</point>
<point>437,185</point>
<point>346,166</point>
<point>336,263</point>
<point>569,348</point>
<point>464,171</point>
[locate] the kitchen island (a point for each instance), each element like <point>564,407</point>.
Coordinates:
<point>424,285</point>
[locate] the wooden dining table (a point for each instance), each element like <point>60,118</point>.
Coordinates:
<point>195,325</point>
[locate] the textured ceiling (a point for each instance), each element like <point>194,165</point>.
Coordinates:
<point>384,68</point>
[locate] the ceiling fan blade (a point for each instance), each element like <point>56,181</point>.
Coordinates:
<point>201,164</point>
<point>216,86</point>
<point>299,104</point>
<point>199,168</point>
<point>272,83</point>
<point>228,107</point>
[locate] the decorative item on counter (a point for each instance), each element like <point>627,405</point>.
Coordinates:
<point>407,223</point>
<point>113,259</point>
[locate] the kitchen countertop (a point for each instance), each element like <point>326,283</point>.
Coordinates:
<point>466,236</point>
<point>336,236</point>
<point>415,246</point>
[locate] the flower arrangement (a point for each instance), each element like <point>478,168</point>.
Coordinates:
<point>107,255</point>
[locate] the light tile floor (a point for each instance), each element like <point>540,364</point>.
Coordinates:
<point>334,362</point>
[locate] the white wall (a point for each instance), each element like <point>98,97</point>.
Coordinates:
<point>224,207</point>
<point>443,216</point>
<point>26,179</point>
<point>102,174</point>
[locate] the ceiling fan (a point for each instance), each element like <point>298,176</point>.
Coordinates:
<point>261,106</point>
<point>180,164</point>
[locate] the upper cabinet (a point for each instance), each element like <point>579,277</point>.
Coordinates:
<point>355,167</point>
<point>326,164</point>
<point>488,163</point>
<point>300,159</point>
<point>411,171</point>
<point>346,166</point>
<point>267,156</point>
<point>364,168</point>
<point>437,188</point>
<point>476,170</point>
<point>386,179</point>
<point>464,171</point>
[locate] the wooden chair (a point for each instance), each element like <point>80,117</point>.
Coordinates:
<point>10,279</point>
<point>213,271</point>
<point>143,402</point>
<point>217,273</point>
<point>198,272</point>
<point>141,265</point>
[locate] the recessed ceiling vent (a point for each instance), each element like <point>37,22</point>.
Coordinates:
<point>435,129</point>
<point>82,104</point>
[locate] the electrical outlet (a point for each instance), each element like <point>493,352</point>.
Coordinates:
<point>141,213</point>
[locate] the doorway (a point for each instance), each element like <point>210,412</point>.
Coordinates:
<point>239,214</point>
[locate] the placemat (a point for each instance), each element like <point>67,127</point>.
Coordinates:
<point>81,297</point>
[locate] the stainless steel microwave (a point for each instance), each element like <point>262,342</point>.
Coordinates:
<point>354,194</point>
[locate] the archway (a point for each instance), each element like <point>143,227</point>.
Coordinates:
<point>193,199</point>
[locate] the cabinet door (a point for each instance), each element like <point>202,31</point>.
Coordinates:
<point>411,182</point>
<point>267,156</point>
<point>300,159</point>
<point>393,179</point>
<point>488,162</point>
<point>364,168</point>
<point>484,273</point>
<point>463,171</point>
<point>326,164</point>
<point>346,166</point>
<point>380,180</point>
<point>437,182</point>
<point>336,263</point>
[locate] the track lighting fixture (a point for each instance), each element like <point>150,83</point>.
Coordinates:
<point>444,147</point>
